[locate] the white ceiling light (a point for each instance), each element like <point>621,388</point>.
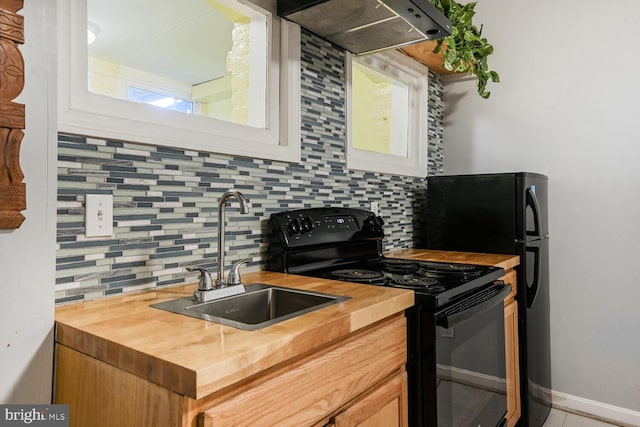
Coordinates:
<point>92,33</point>
<point>91,36</point>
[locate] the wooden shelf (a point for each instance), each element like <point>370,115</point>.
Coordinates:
<point>423,53</point>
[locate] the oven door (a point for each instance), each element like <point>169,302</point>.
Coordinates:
<point>456,361</point>
<point>470,360</point>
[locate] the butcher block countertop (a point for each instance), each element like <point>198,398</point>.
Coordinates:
<point>498,260</point>
<point>194,357</point>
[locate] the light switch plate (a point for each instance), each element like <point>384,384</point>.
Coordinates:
<point>375,208</point>
<point>99,215</point>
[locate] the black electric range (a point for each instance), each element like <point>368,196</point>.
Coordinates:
<point>346,244</point>
<point>455,330</point>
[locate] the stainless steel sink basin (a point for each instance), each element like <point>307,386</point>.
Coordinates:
<point>259,306</point>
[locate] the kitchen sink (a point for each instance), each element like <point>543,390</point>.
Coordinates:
<point>261,305</point>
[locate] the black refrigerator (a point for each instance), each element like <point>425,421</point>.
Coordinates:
<point>504,213</point>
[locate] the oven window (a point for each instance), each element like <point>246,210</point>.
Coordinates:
<point>470,371</point>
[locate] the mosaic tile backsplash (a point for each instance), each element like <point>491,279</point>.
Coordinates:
<point>166,200</point>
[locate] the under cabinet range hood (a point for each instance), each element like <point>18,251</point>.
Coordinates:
<point>368,26</point>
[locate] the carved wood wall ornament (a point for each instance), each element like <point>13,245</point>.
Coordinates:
<point>13,197</point>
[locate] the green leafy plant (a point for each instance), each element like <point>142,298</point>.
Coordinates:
<point>465,50</point>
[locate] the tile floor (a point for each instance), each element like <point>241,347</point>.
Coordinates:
<point>559,418</point>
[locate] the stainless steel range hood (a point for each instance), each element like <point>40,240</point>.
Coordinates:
<point>367,26</point>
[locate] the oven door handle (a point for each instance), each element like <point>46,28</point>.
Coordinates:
<point>473,305</point>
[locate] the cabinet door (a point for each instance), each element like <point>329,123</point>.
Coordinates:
<point>386,406</point>
<point>512,362</point>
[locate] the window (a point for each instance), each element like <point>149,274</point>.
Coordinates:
<point>162,100</point>
<point>387,114</point>
<point>211,75</point>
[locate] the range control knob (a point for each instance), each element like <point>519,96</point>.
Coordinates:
<point>369,224</point>
<point>294,226</point>
<point>373,224</point>
<point>307,224</point>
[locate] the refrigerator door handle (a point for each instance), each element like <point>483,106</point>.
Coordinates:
<point>532,289</point>
<point>532,200</point>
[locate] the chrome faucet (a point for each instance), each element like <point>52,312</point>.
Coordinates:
<point>207,290</point>
<point>244,209</point>
<point>205,283</point>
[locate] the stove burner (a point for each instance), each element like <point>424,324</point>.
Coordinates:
<point>420,283</point>
<point>428,268</point>
<point>399,266</point>
<point>357,275</point>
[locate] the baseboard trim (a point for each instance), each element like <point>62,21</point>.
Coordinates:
<point>593,409</point>
<point>471,378</point>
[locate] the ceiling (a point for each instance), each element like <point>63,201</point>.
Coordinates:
<point>185,40</point>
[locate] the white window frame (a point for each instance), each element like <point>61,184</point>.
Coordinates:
<point>416,76</point>
<point>86,113</point>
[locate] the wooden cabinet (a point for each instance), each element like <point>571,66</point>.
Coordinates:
<point>512,359</point>
<point>99,394</point>
<point>511,351</point>
<point>423,53</point>
<point>355,381</point>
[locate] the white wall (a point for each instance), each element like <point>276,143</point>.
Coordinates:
<point>27,255</point>
<point>567,106</point>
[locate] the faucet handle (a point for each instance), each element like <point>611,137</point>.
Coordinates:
<point>234,274</point>
<point>205,284</point>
